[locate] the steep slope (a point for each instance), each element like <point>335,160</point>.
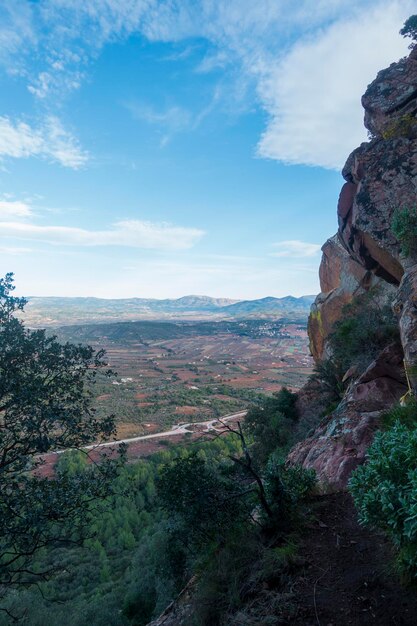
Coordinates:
<point>381,177</point>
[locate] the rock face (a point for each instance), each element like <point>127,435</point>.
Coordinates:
<point>340,442</point>
<point>381,176</point>
<point>341,279</point>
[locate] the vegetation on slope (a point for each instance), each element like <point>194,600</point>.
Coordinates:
<point>181,512</point>
<point>384,489</point>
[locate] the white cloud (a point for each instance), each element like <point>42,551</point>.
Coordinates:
<point>295,249</point>
<point>313,94</point>
<point>49,140</point>
<point>309,62</point>
<point>130,233</point>
<point>12,209</point>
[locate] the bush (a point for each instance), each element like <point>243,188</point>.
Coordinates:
<point>245,586</point>
<point>329,374</point>
<point>286,488</point>
<point>366,328</point>
<point>271,424</point>
<point>384,491</point>
<point>406,415</point>
<point>404,227</point>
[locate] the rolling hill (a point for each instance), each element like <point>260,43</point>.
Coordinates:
<point>55,311</point>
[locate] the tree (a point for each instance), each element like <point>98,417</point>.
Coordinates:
<point>271,424</point>
<point>410,30</point>
<point>45,405</point>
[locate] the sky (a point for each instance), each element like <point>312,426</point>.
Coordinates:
<point>159,148</point>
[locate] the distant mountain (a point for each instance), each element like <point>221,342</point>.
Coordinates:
<point>53,311</point>
<point>269,305</point>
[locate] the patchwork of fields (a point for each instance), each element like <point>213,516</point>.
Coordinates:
<point>169,373</point>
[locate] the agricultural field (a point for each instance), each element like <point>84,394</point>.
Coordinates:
<point>170,373</point>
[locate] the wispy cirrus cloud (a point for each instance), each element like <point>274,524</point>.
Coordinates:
<point>295,249</point>
<point>308,66</point>
<point>49,140</point>
<point>174,119</point>
<point>14,209</point>
<point>128,233</point>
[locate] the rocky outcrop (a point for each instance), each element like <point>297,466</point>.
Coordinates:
<point>380,177</point>
<point>341,279</point>
<point>340,442</point>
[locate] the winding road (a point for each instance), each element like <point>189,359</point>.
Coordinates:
<point>178,429</point>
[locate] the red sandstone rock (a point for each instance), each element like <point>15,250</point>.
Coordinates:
<point>341,279</point>
<point>346,198</point>
<point>381,176</point>
<point>339,443</point>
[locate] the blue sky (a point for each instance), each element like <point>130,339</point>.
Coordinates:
<point>157,148</point>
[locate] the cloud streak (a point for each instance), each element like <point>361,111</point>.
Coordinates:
<point>49,141</point>
<point>295,249</point>
<point>127,233</point>
<point>13,209</point>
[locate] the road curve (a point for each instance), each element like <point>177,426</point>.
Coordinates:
<point>178,429</point>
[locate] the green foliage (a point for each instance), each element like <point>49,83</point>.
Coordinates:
<point>410,30</point>
<point>384,491</point>
<point>44,405</point>
<point>365,329</point>
<point>286,488</point>
<point>231,578</point>
<point>406,415</point>
<point>271,424</point>
<point>203,499</point>
<point>329,373</point>
<point>404,227</point>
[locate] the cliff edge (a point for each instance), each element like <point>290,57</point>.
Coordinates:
<point>380,179</point>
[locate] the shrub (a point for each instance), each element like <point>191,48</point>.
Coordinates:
<point>404,227</point>
<point>287,487</point>
<point>271,424</point>
<point>247,586</point>
<point>329,374</point>
<point>384,491</point>
<point>366,328</point>
<point>407,415</point>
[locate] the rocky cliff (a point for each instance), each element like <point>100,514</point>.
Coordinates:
<point>380,177</point>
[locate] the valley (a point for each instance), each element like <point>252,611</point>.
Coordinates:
<point>168,373</point>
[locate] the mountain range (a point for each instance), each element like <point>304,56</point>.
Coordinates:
<point>55,311</point>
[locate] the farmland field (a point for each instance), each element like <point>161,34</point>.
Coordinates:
<point>169,372</point>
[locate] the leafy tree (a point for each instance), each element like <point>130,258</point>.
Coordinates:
<point>45,405</point>
<point>271,424</point>
<point>410,30</point>
<point>204,502</point>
